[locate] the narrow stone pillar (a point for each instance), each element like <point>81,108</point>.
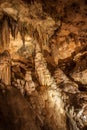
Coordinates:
<point>29,85</point>
<point>5,68</point>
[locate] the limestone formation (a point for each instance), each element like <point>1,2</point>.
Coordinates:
<point>5,68</point>
<point>43,65</point>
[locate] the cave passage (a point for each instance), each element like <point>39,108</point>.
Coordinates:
<point>43,65</point>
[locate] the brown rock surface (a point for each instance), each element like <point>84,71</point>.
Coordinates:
<point>46,65</point>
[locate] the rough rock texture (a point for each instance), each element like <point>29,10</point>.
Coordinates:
<point>15,111</point>
<point>5,68</point>
<point>47,46</point>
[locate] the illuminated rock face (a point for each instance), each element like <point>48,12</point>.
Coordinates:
<point>47,45</point>
<point>5,68</point>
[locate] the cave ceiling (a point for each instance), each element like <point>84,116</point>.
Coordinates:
<point>60,27</point>
<point>72,14</point>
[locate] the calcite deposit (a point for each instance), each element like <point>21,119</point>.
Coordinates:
<point>43,65</point>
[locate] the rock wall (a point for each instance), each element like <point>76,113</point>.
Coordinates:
<point>47,65</point>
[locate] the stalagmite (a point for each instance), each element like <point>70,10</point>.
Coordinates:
<point>54,95</point>
<point>5,68</point>
<point>49,79</point>
<point>41,69</point>
<point>29,85</point>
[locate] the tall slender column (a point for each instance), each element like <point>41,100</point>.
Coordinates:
<point>5,68</point>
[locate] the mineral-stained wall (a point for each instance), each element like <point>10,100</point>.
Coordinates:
<point>43,65</point>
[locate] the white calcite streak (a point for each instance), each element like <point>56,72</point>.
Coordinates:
<point>54,96</point>
<point>29,85</point>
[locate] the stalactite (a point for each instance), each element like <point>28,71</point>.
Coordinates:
<point>31,30</point>
<point>37,37</point>
<point>0,35</point>
<point>15,30</point>
<point>5,33</point>
<point>13,27</point>
<point>8,25</point>
<point>23,31</point>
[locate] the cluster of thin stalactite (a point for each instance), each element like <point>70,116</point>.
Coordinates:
<point>10,26</point>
